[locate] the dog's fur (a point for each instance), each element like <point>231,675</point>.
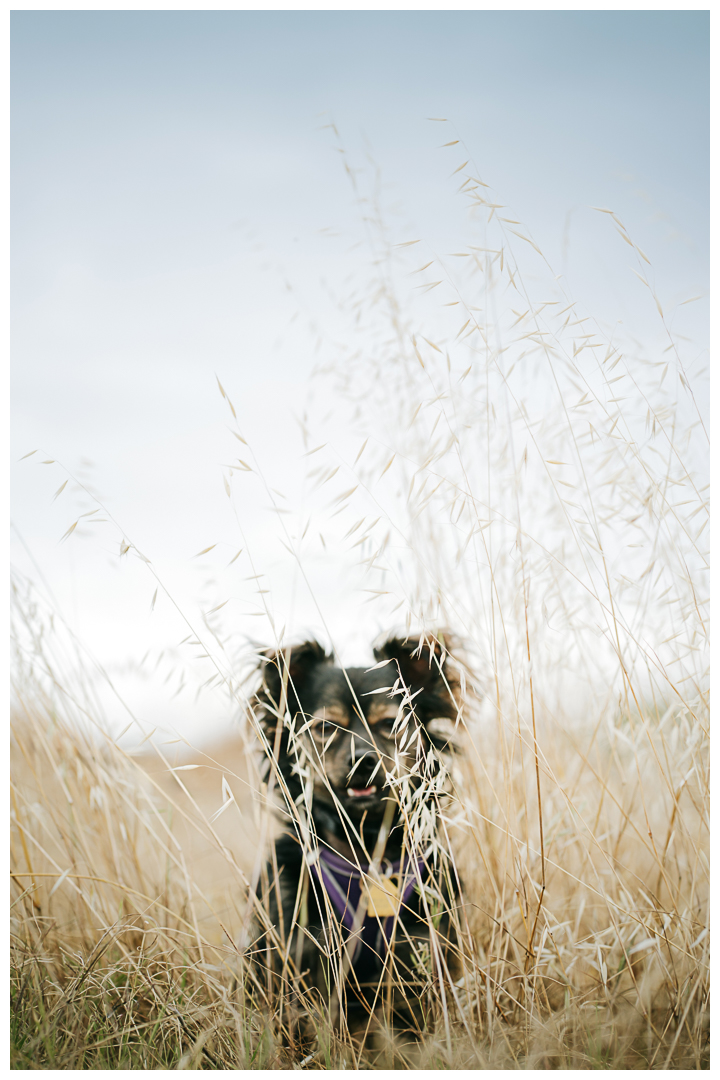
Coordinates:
<point>332,737</point>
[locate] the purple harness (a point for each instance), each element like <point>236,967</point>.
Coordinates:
<point>343,882</point>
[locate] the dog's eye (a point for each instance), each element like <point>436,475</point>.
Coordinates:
<point>325,721</point>
<point>322,729</point>
<point>386,725</point>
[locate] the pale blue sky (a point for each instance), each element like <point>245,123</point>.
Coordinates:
<point>169,169</point>
<point>141,138</point>
<point>123,122</point>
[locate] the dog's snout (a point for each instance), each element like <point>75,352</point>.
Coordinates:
<point>360,757</point>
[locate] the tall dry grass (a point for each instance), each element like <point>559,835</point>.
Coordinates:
<point>485,457</point>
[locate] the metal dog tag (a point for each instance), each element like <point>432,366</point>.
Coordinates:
<point>383,899</point>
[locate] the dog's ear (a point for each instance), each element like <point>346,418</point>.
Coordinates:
<point>425,664</point>
<point>285,674</point>
<point>421,662</point>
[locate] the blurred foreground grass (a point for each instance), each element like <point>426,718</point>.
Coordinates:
<point>129,908</point>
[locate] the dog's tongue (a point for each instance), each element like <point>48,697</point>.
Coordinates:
<point>357,793</point>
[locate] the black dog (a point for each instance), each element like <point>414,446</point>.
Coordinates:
<point>358,891</point>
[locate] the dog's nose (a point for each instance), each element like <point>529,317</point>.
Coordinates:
<point>361,760</point>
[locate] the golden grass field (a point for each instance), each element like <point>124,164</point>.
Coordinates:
<point>538,488</point>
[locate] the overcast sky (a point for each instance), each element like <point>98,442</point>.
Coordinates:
<point>172,175</point>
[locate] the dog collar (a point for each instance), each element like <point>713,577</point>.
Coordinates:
<point>344,882</point>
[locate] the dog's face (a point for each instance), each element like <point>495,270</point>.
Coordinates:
<point>355,728</point>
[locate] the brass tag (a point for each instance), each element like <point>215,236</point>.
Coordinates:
<point>383,898</point>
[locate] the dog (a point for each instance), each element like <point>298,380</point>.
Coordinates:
<point>358,889</point>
